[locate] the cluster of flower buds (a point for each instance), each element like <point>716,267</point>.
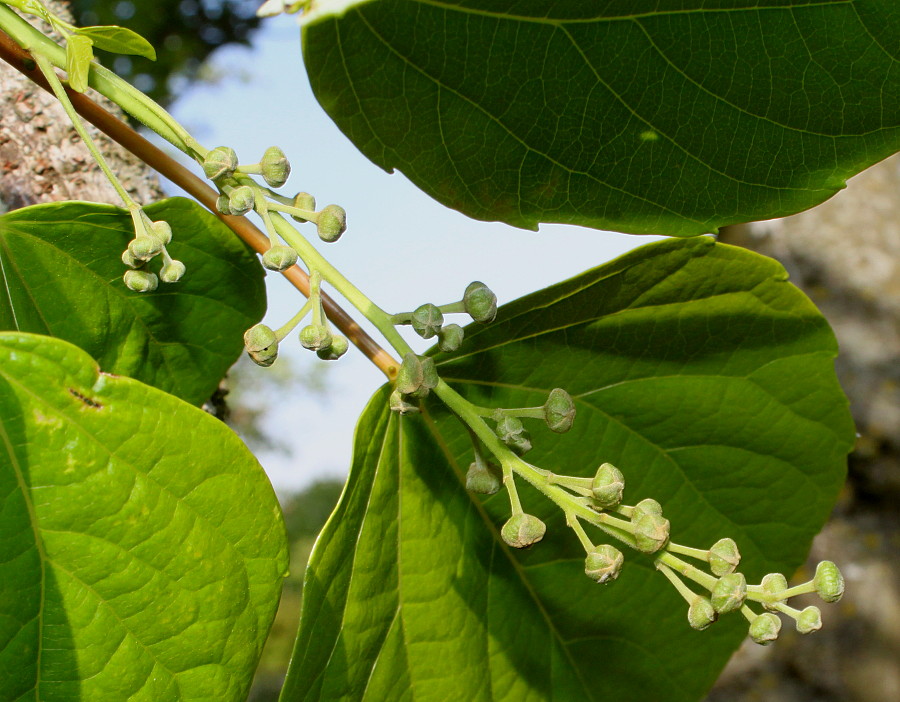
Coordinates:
<point>150,241</point>
<point>416,378</point>
<point>238,195</point>
<point>261,342</point>
<point>726,590</point>
<point>428,320</point>
<point>558,413</point>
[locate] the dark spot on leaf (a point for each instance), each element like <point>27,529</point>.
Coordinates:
<point>86,400</point>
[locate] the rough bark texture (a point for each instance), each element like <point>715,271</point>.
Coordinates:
<point>845,254</point>
<point>42,159</point>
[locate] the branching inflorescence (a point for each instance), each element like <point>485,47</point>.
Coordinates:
<point>499,436</point>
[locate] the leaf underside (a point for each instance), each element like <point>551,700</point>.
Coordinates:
<point>141,545</point>
<point>675,120</point>
<point>62,276</point>
<point>700,372</point>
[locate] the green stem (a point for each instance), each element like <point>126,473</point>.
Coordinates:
<point>687,570</point>
<point>673,578</point>
<point>804,589</point>
<point>60,92</point>
<point>289,326</point>
<point>453,307</point>
<point>308,215</point>
<point>697,553</point>
<point>573,522</point>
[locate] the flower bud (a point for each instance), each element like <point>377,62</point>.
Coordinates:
<point>701,613</point>
<point>810,620</point>
<point>279,258</point>
<point>141,281</point>
<point>522,530</point>
<point>162,230</point>
<point>315,337</point>
<point>651,532</point>
<point>222,205</point>
<point>483,478</point>
<point>427,320</point>
<point>241,200</point>
<point>332,222</point>
<point>559,411</point>
<point>603,563</point>
<point>729,593</point>
<point>400,404</point>
<point>338,348</point>
<point>145,247</point>
<point>304,201</point>
<point>221,162</point>
<point>480,302</point>
<point>258,338</point>
<point>417,376</point>
<point>129,260</point>
<point>275,167</point>
<point>773,585</point>
<point>607,486</point>
<point>829,582</point>
<point>724,557</point>
<point>450,337</point>
<point>765,628</point>
<point>512,432</point>
<point>172,271</point>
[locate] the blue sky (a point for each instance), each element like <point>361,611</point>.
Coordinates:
<point>401,247</point>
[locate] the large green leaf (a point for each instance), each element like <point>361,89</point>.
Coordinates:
<point>141,546</point>
<point>675,118</point>
<point>62,276</point>
<point>699,371</point>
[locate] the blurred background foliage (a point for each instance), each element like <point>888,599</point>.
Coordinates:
<point>185,33</point>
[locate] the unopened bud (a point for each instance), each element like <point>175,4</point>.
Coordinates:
<point>729,593</point>
<point>141,281</point>
<point>222,205</point>
<point>483,478</point>
<point>651,532</point>
<point>172,271</point>
<point>810,620</point>
<point>645,507</point>
<point>162,230</point>
<point>427,320</point>
<point>773,585</point>
<point>304,201</point>
<point>765,628</point>
<point>220,163</point>
<point>603,563</point>
<point>279,258</point>
<point>607,486</point>
<point>400,404</point>
<point>338,348</point>
<point>480,302</point>
<point>559,411</point>
<point>241,200</point>
<point>332,222</point>
<point>724,557</point>
<point>512,432</point>
<point>259,337</point>
<point>829,582</point>
<point>417,376</point>
<point>145,247</point>
<point>450,337</point>
<point>315,337</point>
<point>701,613</point>
<point>264,358</point>
<point>275,167</point>
<point>522,530</point>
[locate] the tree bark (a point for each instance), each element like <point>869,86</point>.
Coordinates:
<point>42,158</point>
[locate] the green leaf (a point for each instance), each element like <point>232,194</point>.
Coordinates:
<point>700,372</point>
<point>143,547</point>
<point>62,276</point>
<point>118,40</point>
<point>674,120</point>
<point>79,54</point>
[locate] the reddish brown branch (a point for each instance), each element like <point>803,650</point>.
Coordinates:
<point>157,159</point>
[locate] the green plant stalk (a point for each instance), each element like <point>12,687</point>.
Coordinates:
<point>697,553</point>
<point>679,566</point>
<point>60,92</point>
<point>105,82</point>
<point>289,326</point>
<point>673,578</point>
